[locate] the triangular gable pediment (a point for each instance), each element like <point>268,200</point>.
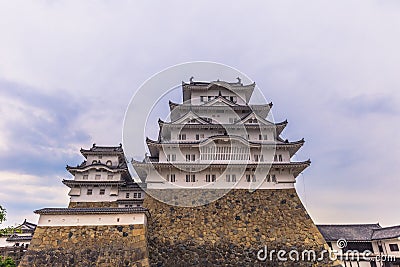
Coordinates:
<point>189,118</point>
<point>253,119</point>
<point>219,102</point>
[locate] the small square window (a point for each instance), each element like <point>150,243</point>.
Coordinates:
<point>85,177</point>
<point>89,191</point>
<point>102,191</point>
<point>394,247</point>
<point>97,177</point>
<point>127,195</point>
<point>110,177</point>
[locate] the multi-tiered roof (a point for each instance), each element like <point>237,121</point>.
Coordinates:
<point>104,170</point>
<point>216,114</point>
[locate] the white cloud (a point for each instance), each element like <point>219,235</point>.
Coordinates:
<point>20,190</point>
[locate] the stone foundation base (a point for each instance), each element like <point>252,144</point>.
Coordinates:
<point>231,230</point>
<point>87,246</point>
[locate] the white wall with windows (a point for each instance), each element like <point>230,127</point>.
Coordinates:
<point>92,219</point>
<point>216,177</point>
<point>200,97</point>
<point>97,175</point>
<point>104,159</point>
<point>95,193</point>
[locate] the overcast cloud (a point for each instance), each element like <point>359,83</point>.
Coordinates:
<point>69,68</point>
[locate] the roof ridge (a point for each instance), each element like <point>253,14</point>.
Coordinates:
<point>388,227</point>
<point>361,224</point>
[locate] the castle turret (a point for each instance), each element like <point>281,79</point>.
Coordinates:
<point>103,180</point>
<point>104,224</point>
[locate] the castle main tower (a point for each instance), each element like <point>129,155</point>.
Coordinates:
<point>220,183</point>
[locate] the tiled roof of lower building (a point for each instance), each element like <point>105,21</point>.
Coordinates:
<point>386,233</point>
<point>350,232</point>
<point>16,237</point>
<point>56,211</point>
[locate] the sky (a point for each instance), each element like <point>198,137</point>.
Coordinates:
<point>69,68</point>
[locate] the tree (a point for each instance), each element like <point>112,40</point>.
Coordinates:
<point>2,214</point>
<point>7,230</point>
<point>7,262</point>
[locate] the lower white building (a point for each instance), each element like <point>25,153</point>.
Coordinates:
<point>364,245</point>
<point>21,236</point>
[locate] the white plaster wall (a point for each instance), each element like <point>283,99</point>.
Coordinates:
<point>95,197</point>
<point>103,176</point>
<point>387,248</point>
<point>3,242</point>
<point>195,100</point>
<point>249,134</point>
<point>123,194</point>
<point>159,179</point>
<point>103,159</point>
<point>92,219</point>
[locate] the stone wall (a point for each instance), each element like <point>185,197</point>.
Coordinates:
<point>88,246</point>
<point>231,230</point>
<point>110,204</point>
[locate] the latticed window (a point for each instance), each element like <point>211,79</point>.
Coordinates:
<point>211,178</point>
<point>190,178</point>
<point>209,153</point>
<point>171,178</point>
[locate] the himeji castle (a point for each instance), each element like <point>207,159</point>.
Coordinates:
<point>216,139</point>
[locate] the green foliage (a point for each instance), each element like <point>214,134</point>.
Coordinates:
<point>7,262</point>
<point>2,214</point>
<point>9,231</point>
